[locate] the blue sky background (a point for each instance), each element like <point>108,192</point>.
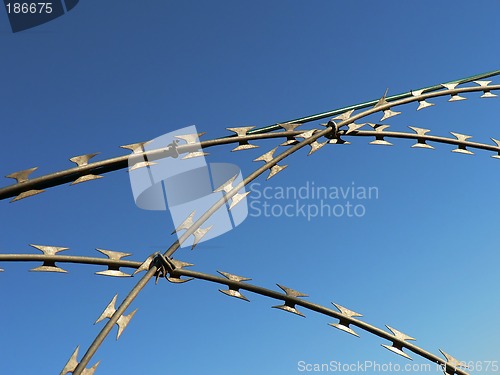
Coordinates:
<point>424,259</point>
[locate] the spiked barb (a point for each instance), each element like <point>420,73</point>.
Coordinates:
<point>383,100</point>
<point>242,132</point>
<point>26,194</point>
<point>451,87</point>
<point>198,234</point>
<point>142,164</point>
<point>290,140</point>
<point>186,224</point>
<point>48,264</point>
<point>497,142</point>
<point>421,142</point>
<point>344,116</point>
<point>387,112</point>
<point>456,98</point>
<point>421,103</point>
<point>195,154</point>
<point>315,145</point>
<point>289,305</point>
<point>87,177</point>
<point>238,197</point>
<point>486,92</point>
<point>452,364</point>
<point>227,187</point>
<point>461,147</point>
<point>73,363</point>
<point>397,347</point>
<point>424,104</point>
<point>146,264</point>
<point>379,138</point>
<point>354,127</point>
<point>112,269</point>
<point>267,158</point>
<point>233,290</point>
<point>21,177</point>
<point>123,320</point>
<point>290,126</point>
<point>193,140</point>
<point>81,161</point>
<point>136,148</point>
<point>343,323</point>
<point>338,141</point>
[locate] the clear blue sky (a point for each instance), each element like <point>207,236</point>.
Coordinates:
<point>423,259</point>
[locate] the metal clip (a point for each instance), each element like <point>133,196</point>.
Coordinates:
<point>167,266</point>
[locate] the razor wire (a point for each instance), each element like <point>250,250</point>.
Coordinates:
<point>174,270</point>
<point>163,265</point>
